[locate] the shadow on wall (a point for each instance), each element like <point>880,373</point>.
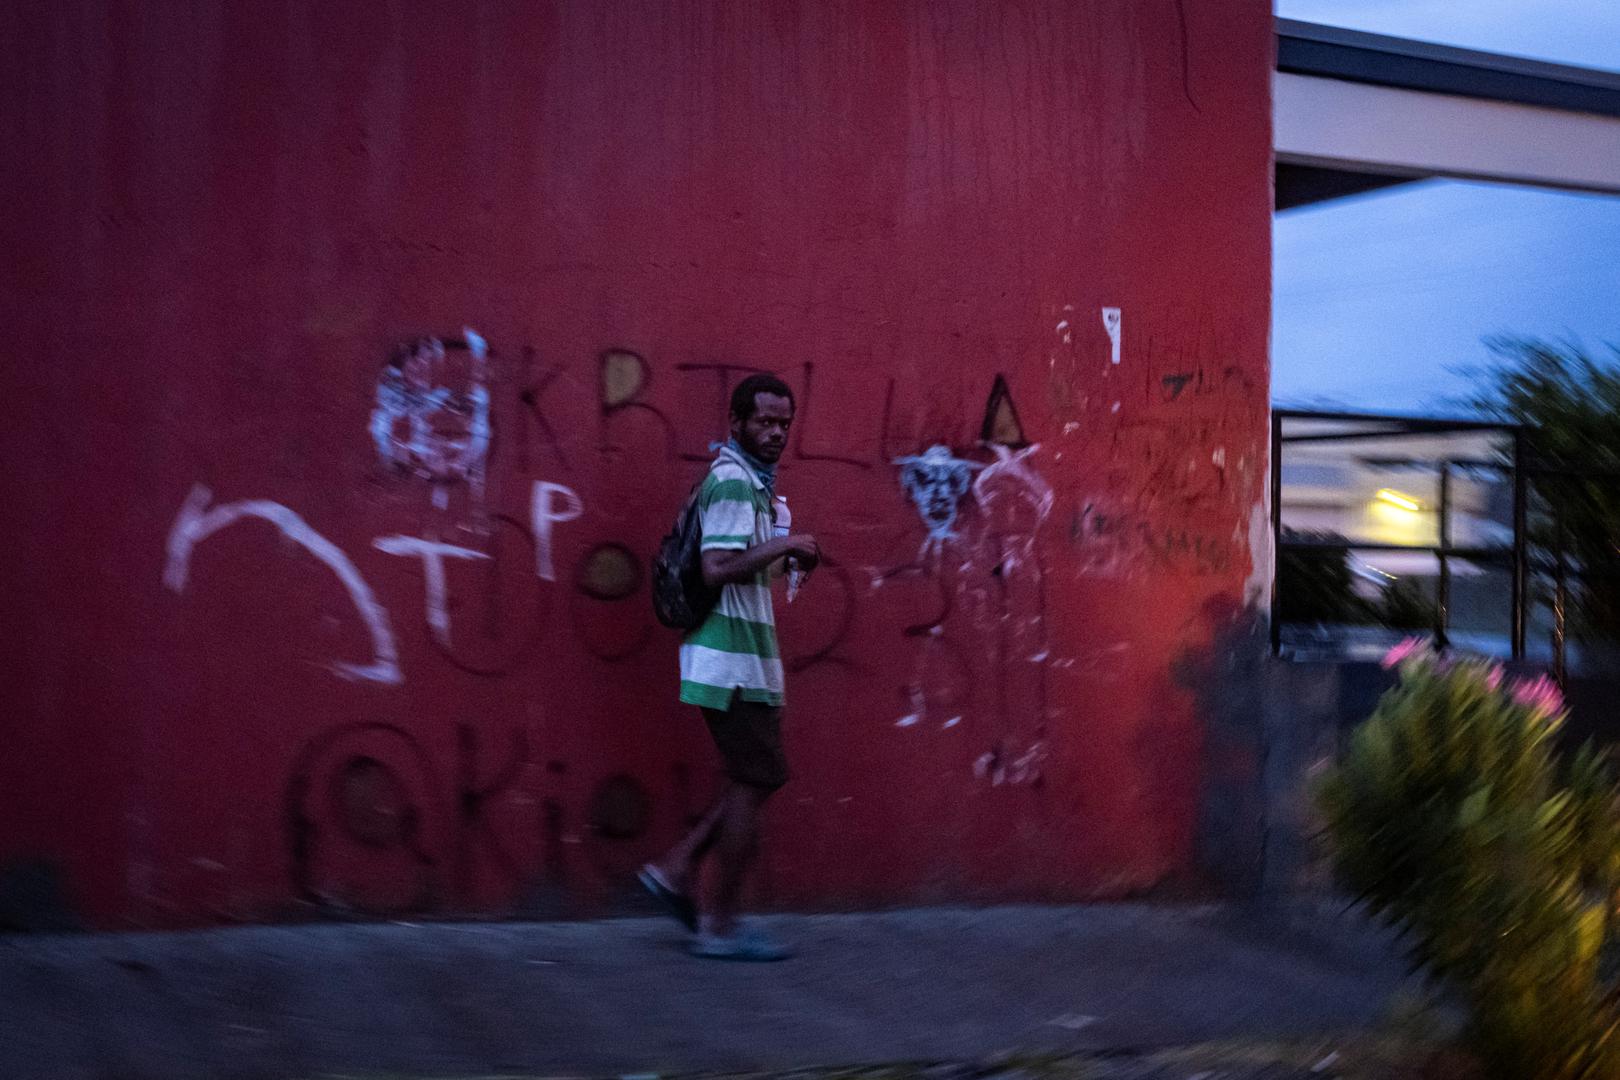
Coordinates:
<point>1270,727</point>
<point>1226,677</point>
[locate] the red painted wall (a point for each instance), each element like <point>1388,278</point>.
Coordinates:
<point>222,220</point>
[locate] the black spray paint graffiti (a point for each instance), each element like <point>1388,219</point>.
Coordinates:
<point>374,827</point>
<point>370,787</point>
<point>473,830</point>
<point>625,380</point>
<point>610,574</point>
<point>625,377</point>
<point>1113,538</point>
<point>532,397</point>
<point>1001,425</point>
<point>1006,599</point>
<point>937,480</point>
<point>503,612</point>
<point>364,786</point>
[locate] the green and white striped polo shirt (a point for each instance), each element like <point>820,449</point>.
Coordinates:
<point>734,652</point>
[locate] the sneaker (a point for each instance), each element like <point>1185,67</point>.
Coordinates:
<point>676,904</point>
<point>748,945</point>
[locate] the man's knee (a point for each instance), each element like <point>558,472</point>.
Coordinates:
<point>739,838</point>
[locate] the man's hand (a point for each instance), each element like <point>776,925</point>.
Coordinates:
<point>803,549</point>
<point>740,567</point>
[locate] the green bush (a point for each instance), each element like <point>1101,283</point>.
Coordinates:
<point>1315,585</point>
<point>1453,817</point>
<point>1568,400</point>
<point>1404,606</point>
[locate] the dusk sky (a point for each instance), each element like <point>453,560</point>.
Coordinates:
<point>1377,297</point>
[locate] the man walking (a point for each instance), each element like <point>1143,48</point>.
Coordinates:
<point>731,669</point>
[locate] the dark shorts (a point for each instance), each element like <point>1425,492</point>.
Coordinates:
<point>749,737</point>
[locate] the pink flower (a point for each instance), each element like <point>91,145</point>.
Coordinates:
<point>1538,695</point>
<point>1493,677</point>
<point>1402,651</point>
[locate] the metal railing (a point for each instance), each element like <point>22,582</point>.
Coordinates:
<point>1350,427</point>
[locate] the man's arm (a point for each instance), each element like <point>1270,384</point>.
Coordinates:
<point>738,567</point>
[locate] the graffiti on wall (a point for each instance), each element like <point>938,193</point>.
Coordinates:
<point>972,610</point>
<point>376,823</point>
<point>431,422</point>
<point>432,553</point>
<point>1018,500</point>
<point>197,521</point>
<point>431,418</point>
<point>985,504</point>
<point>984,649</point>
<point>936,480</point>
<point>552,504</point>
<point>1110,321</point>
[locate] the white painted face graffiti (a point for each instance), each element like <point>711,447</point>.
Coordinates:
<point>432,411</point>
<point>936,482</point>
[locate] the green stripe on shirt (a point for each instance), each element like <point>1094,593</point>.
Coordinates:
<point>716,490</point>
<point>723,633</point>
<point>733,541</point>
<point>734,654</point>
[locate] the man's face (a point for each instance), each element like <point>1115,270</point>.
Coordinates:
<point>764,434</point>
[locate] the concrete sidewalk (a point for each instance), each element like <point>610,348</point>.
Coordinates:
<point>621,996</point>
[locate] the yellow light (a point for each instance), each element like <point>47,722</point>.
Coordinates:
<point>1395,498</point>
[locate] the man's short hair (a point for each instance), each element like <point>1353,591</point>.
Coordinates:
<point>744,399</point>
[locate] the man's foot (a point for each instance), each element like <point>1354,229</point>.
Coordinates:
<point>677,904</point>
<point>747,945</point>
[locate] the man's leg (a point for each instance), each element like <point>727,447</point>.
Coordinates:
<point>735,847</point>
<point>731,828</point>
<point>749,737</point>
<point>749,740</point>
<point>678,866</point>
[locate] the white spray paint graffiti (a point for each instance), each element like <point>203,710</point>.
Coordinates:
<point>546,513</point>
<point>1110,321</point>
<point>423,424</point>
<point>1015,501</point>
<point>1012,476</point>
<point>994,576</point>
<point>553,503</point>
<point>936,482</point>
<point>433,554</point>
<point>1001,768</point>
<point>196,522</point>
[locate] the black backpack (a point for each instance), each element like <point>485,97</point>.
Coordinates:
<point>681,598</point>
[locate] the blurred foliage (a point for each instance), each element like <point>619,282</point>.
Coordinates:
<point>1569,402</point>
<point>1405,606</point>
<point>1315,586</point>
<point>1453,817</point>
